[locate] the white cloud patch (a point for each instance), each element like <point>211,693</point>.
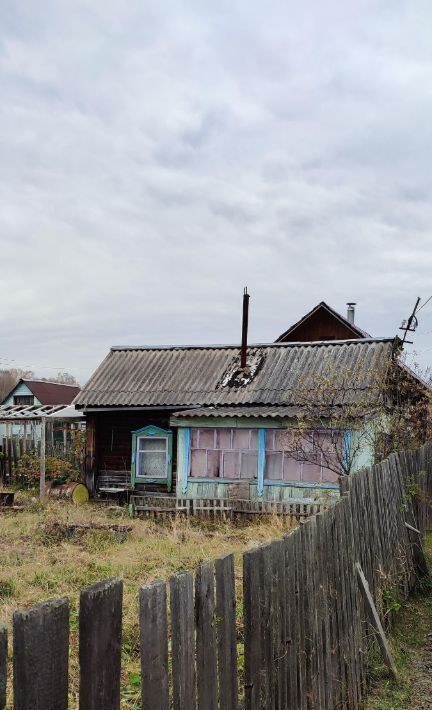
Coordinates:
<point>156,157</point>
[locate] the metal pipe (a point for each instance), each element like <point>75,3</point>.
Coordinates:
<point>351,312</point>
<point>243,358</point>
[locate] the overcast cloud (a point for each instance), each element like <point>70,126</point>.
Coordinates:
<point>158,156</point>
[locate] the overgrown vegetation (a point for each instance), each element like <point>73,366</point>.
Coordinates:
<point>42,558</point>
<point>411,641</point>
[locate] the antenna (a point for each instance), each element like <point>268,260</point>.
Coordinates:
<point>410,325</point>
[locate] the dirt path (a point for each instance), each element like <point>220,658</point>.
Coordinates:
<point>420,676</point>
<point>411,641</point>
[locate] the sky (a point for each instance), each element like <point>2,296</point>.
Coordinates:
<point>157,157</point>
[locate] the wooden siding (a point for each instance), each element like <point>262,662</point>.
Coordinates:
<point>209,489</point>
<point>112,432</point>
<point>20,390</point>
<point>320,326</point>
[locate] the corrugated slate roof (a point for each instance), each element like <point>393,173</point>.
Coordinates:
<point>223,412</point>
<point>194,376</point>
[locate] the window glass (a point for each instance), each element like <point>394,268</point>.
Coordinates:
<point>152,464</point>
<point>152,457</point>
<point>224,453</point>
<point>249,465</point>
<point>152,444</point>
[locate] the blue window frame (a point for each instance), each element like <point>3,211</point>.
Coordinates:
<point>152,456</point>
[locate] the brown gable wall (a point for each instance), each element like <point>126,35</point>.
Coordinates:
<point>320,326</point>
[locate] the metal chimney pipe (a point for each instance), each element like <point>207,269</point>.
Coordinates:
<point>351,312</point>
<point>243,358</point>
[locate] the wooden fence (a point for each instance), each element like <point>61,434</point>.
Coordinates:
<point>13,448</point>
<point>301,629</point>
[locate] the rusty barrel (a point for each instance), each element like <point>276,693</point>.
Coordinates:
<point>76,492</point>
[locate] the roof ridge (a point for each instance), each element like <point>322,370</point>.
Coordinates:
<point>232,346</point>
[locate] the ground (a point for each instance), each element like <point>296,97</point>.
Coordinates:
<point>40,560</point>
<point>411,641</point>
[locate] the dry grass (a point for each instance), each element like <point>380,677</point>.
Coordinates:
<point>38,563</point>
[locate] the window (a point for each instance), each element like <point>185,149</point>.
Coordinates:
<point>318,451</point>
<point>152,456</point>
<point>23,399</point>
<point>224,453</point>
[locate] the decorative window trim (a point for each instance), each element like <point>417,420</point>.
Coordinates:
<point>150,432</point>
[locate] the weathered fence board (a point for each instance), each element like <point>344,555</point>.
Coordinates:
<point>3,665</point>
<point>183,647</point>
<point>226,632</point>
<point>154,647</point>
<point>206,651</point>
<point>100,629</point>
<point>41,656</point>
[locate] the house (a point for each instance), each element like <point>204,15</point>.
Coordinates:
<point>190,421</point>
<point>324,323</point>
<point>33,392</point>
<point>28,401</point>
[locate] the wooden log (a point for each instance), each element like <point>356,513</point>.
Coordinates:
<point>375,622</point>
<point>226,632</point>
<point>3,665</point>
<point>183,647</point>
<point>154,647</point>
<point>206,654</point>
<point>100,627</point>
<point>40,656</point>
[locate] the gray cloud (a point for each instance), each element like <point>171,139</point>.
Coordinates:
<point>157,157</point>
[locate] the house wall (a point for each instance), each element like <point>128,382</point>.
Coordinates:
<point>320,326</point>
<point>260,488</point>
<point>20,389</point>
<point>109,436</point>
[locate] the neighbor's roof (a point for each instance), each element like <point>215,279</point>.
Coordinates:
<point>49,392</point>
<point>323,305</point>
<point>197,376</point>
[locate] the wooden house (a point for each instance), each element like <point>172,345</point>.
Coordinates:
<point>192,422</point>
<point>29,400</point>
<point>323,323</point>
<point>38,392</point>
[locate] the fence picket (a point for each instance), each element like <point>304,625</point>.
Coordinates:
<point>41,656</point>
<point>100,630</point>
<point>226,632</point>
<point>3,665</point>
<point>154,647</point>
<point>183,647</point>
<point>206,653</point>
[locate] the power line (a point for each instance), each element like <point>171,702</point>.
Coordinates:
<point>425,303</point>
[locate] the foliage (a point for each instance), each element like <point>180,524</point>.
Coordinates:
<point>56,469</point>
<point>358,410</point>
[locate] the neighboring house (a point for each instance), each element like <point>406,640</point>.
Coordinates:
<point>21,409</point>
<point>323,323</point>
<point>189,419</point>
<point>32,392</point>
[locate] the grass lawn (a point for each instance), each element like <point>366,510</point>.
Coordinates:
<point>411,642</point>
<point>39,561</point>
